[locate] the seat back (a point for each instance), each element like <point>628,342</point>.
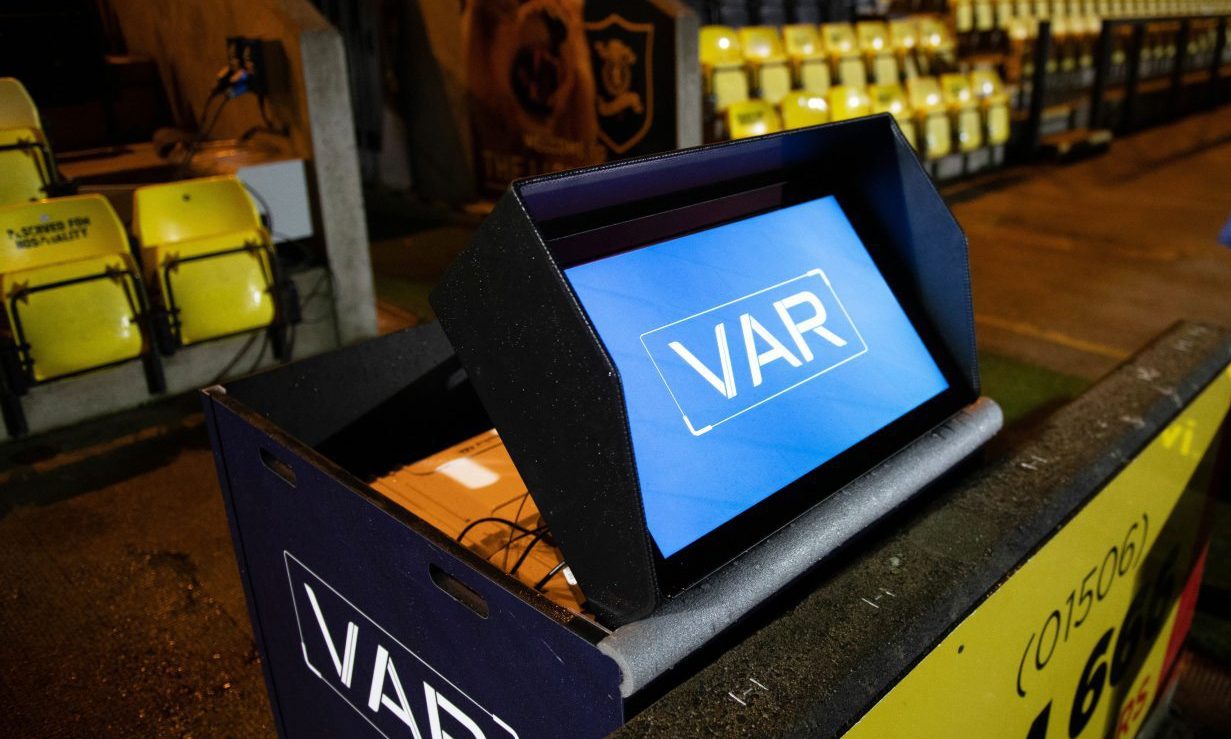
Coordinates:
<point>839,39</point>
<point>874,42</point>
<point>958,96</point>
<point>728,85</point>
<point>752,118</point>
<point>846,102</point>
<point>26,176</point>
<point>956,91</point>
<point>890,98</point>
<point>802,109</point>
<point>207,257</point>
<point>873,37</point>
<point>925,99</point>
<point>56,231</point>
<point>768,61</point>
<point>995,101</point>
<point>17,109</point>
<point>904,35</point>
<point>192,209</point>
<point>761,44</point>
<point>71,294</point>
<point>720,47</point>
<point>802,41</point>
<point>722,66</point>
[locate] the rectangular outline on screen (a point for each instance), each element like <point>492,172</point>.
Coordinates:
<point>705,429</point>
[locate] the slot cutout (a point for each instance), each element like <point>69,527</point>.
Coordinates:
<point>458,591</point>
<point>278,467</point>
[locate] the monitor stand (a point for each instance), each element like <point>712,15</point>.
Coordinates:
<point>646,649</point>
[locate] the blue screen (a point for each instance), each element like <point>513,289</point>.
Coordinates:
<point>750,354</point>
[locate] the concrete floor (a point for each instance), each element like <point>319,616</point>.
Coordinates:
<point>120,606</point>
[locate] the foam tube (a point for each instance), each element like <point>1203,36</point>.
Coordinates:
<point>647,648</point>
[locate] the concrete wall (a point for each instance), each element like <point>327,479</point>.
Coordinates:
<point>188,42</point>
<point>308,93</point>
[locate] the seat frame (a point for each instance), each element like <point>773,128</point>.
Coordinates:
<point>167,324</point>
<point>17,363</point>
<point>54,185</point>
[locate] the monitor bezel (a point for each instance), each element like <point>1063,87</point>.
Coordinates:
<point>603,234</point>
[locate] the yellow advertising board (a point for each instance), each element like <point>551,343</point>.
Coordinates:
<point>1079,641</point>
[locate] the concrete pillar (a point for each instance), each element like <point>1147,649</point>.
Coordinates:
<point>335,159</point>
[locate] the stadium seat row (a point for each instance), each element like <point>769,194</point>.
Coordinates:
<point>984,15</point>
<point>78,296</point>
<point>938,116</point>
<point>768,63</point>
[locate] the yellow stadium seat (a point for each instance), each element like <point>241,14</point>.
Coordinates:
<point>931,116</point>
<point>874,42</point>
<point>17,109</point>
<point>904,35</point>
<point>960,99</point>
<point>807,54</point>
<point>768,61</point>
<point>936,44</point>
<point>73,299</point>
<point>802,109</point>
<point>991,94</point>
<point>889,98</point>
<point>722,66</point>
<point>27,166</point>
<point>843,48</point>
<point>752,118</point>
<point>209,262</point>
<point>848,102</point>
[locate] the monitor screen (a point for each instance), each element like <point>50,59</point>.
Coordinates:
<point>750,354</point>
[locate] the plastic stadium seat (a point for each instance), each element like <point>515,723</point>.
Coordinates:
<point>960,99</point>
<point>843,48</point>
<point>936,45</point>
<point>874,43</point>
<point>801,109</point>
<point>17,109</point>
<point>73,299</point>
<point>722,66</point>
<point>931,116</point>
<point>991,94</point>
<point>209,262</point>
<point>25,156</point>
<point>807,54</point>
<point>752,118</point>
<point>28,170</point>
<point>904,35</point>
<point>768,61</point>
<point>848,102</point>
<point>891,99</point>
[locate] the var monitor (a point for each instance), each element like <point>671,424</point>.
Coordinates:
<point>763,360</point>
<point>683,354</point>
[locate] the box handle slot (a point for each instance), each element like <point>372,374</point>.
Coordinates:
<point>277,466</point>
<point>458,590</point>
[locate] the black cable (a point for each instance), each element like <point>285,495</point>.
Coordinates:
<point>492,519</point>
<point>202,134</point>
<point>552,573</point>
<point>526,552</point>
<point>516,517</point>
<point>313,294</point>
<point>269,213</point>
<point>235,360</point>
<point>516,538</point>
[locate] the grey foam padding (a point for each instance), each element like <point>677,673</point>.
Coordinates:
<point>647,648</point>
